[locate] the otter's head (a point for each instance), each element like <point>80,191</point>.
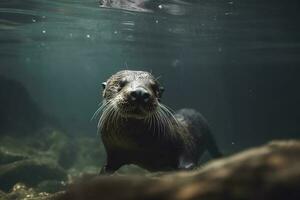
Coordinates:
<point>132,94</point>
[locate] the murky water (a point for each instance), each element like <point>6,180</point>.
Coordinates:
<point>236,62</point>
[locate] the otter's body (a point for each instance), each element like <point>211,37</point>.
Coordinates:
<point>137,129</point>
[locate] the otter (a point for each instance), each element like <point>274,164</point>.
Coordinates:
<point>136,128</point>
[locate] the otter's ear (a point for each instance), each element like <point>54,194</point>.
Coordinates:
<point>103,85</point>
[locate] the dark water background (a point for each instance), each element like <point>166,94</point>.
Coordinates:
<point>237,62</point>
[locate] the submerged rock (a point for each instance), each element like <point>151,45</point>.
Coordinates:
<point>45,159</point>
<point>8,157</point>
<point>50,186</point>
<point>270,172</point>
<point>30,172</point>
<point>21,192</point>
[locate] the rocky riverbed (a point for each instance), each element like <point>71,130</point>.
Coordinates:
<point>55,166</point>
<point>45,162</point>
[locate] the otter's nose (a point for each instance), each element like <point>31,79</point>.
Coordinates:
<point>140,95</point>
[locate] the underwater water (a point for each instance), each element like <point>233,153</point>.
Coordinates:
<point>236,62</point>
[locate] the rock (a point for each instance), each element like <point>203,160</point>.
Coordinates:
<point>270,172</point>
<point>132,170</point>
<point>21,192</point>
<point>50,186</point>
<point>8,157</point>
<point>30,172</point>
<point>30,159</point>
<point>2,195</point>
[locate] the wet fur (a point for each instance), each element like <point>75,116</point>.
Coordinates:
<point>154,138</point>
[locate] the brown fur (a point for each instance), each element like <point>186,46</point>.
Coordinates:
<point>148,134</point>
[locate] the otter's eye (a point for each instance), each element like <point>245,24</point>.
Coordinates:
<point>158,90</point>
<point>161,91</point>
<point>122,83</point>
